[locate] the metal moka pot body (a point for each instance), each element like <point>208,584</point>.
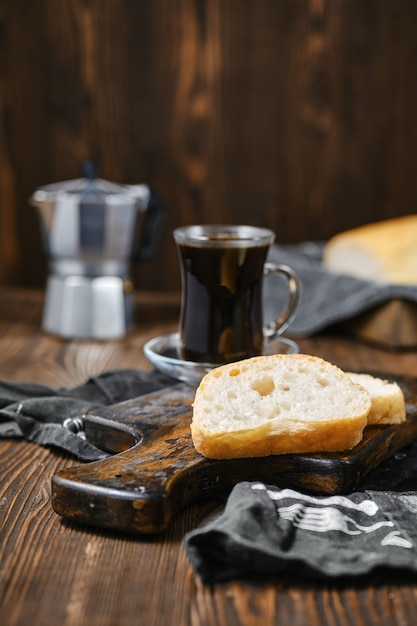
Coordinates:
<point>93,231</point>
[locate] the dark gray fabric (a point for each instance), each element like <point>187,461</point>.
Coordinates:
<point>266,530</point>
<point>38,412</point>
<point>326,298</point>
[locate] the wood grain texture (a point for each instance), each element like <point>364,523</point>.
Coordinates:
<point>298,115</point>
<point>54,572</point>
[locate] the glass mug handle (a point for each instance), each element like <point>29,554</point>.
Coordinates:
<point>278,326</point>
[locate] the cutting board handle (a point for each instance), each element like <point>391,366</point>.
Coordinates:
<point>147,480</point>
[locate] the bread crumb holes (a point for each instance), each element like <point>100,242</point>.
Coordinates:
<point>324,382</point>
<point>264,386</point>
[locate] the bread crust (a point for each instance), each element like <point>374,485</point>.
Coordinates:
<point>330,436</point>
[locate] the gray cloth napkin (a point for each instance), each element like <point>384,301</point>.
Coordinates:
<point>267,531</point>
<point>53,417</point>
<point>326,298</point>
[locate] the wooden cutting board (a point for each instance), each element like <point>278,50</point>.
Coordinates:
<point>155,470</point>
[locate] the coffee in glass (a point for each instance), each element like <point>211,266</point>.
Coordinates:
<point>222,271</point>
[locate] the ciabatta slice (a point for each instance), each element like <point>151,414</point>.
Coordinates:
<point>276,405</point>
<point>387,399</point>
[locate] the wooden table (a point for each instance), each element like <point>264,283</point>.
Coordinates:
<point>53,572</point>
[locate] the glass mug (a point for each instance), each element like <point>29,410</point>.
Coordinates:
<point>222,272</point>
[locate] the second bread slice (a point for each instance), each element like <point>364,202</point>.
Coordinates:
<point>387,399</point>
<point>276,405</point>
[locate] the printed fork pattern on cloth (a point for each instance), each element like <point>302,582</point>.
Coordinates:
<point>267,530</point>
<point>323,518</point>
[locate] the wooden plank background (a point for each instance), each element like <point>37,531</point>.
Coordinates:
<point>299,115</point>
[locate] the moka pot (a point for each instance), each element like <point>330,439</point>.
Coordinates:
<point>93,232</point>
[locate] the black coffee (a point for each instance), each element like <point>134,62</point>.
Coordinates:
<point>221,315</point>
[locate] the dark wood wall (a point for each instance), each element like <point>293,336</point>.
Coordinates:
<point>299,115</point>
